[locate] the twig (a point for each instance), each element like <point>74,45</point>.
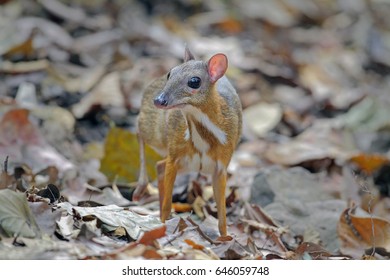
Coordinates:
<point>365,189</point>
<point>202,233</point>
<point>5,167</point>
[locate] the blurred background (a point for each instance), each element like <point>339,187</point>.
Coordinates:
<point>313,57</point>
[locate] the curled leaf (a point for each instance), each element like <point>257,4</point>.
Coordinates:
<point>358,232</point>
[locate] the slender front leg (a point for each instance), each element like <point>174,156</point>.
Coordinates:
<point>169,180</point>
<point>160,181</point>
<point>219,187</point>
<point>142,177</point>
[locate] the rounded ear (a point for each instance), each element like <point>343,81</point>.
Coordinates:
<point>217,66</point>
<point>188,55</point>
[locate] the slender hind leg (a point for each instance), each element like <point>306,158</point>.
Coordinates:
<point>219,186</point>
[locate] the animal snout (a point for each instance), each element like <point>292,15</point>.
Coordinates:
<point>161,101</point>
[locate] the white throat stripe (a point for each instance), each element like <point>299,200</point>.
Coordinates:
<point>207,123</point>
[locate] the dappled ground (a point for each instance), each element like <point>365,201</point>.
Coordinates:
<point>309,180</point>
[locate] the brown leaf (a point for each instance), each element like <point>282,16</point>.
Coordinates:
<point>193,244</point>
<point>314,250</point>
<point>194,190</point>
<point>51,172</point>
<point>232,197</point>
<point>273,234</point>
<point>150,236</point>
<point>181,225</point>
<point>15,126</point>
<point>230,25</point>
<point>369,163</point>
<point>182,207</point>
<point>358,232</point>
<point>257,213</point>
<point>151,254</point>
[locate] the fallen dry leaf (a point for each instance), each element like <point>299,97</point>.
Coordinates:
<point>193,244</point>
<point>181,207</point>
<point>121,157</point>
<point>15,127</point>
<point>151,254</point>
<point>149,237</point>
<point>369,163</point>
<point>359,231</point>
<point>312,251</point>
<point>16,218</point>
<point>115,216</point>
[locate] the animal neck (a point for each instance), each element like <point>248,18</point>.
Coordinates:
<point>205,118</point>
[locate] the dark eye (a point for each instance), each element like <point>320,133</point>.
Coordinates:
<point>168,75</point>
<point>194,82</point>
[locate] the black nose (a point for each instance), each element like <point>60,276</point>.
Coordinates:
<point>160,101</point>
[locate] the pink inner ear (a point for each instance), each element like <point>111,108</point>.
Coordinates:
<point>217,66</point>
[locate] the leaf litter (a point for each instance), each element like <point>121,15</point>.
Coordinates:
<point>309,179</point>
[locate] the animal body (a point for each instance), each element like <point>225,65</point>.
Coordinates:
<point>192,117</point>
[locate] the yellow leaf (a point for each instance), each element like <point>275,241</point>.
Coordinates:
<point>121,157</point>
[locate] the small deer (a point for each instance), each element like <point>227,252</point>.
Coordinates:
<point>192,117</point>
